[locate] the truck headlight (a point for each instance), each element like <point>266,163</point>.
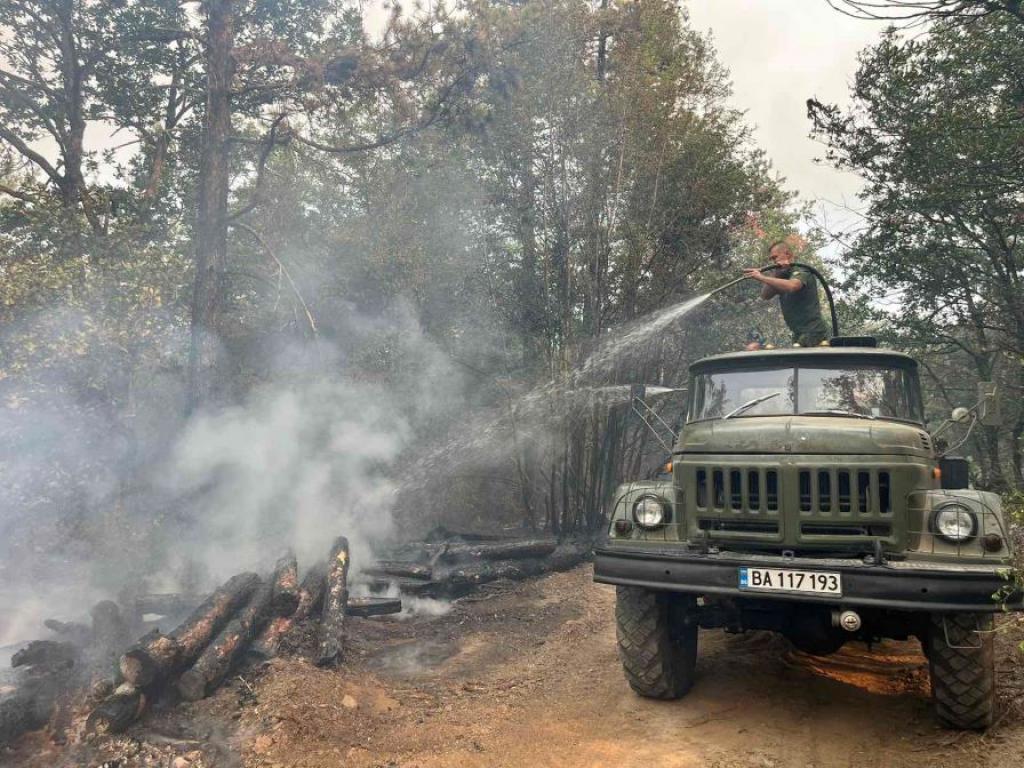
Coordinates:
<point>954,522</point>
<point>650,512</point>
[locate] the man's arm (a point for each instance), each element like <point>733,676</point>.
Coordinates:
<point>773,286</point>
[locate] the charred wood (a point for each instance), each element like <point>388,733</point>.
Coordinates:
<point>227,648</point>
<point>373,606</point>
<point>117,711</point>
<point>514,550</point>
<point>311,595</point>
<point>460,580</point>
<point>286,585</point>
<point>22,712</point>
<point>46,653</point>
<point>70,631</point>
<point>385,568</point>
<point>406,585</point>
<point>30,706</point>
<point>157,656</point>
<point>332,618</point>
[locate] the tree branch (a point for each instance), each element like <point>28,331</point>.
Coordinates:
<point>284,270</point>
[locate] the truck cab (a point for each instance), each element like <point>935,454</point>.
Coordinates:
<point>807,497</point>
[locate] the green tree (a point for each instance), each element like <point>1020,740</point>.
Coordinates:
<point>936,129</point>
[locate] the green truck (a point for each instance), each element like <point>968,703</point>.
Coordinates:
<point>806,497</point>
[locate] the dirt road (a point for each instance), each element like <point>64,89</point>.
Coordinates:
<point>529,677</point>
<point>526,676</point>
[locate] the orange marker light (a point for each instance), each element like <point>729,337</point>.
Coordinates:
<point>667,468</point>
<point>937,473</point>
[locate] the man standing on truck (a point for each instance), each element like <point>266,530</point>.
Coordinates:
<point>797,290</point>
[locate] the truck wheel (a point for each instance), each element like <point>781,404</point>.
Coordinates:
<point>961,659</point>
<point>657,647</point>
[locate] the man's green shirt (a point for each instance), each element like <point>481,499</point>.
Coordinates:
<point>802,309</point>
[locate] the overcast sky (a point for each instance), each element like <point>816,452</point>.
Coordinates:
<point>779,53</point>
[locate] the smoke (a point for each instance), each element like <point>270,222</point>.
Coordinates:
<point>293,467</point>
<point>92,500</point>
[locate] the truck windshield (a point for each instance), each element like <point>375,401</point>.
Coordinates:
<point>869,392</point>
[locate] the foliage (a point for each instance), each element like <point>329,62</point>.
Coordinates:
<point>936,129</point>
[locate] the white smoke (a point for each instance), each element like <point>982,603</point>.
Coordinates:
<point>289,468</point>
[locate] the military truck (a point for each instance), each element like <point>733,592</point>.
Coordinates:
<point>806,497</point>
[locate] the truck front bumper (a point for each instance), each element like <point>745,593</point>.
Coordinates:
<point>900,585</point>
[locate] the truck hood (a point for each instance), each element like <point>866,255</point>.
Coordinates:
<point>804,435</point>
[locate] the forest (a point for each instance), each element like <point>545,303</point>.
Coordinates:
<point>266,266</point>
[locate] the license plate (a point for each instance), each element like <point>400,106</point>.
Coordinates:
<point>785,580</point>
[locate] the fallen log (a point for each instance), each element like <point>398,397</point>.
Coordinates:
<point>20,713</point>
<point>213,665</point>
<point>46,653</point>
<point>286,585</point>
<point>406,586</point>
<point>115,713</point>
<point>566,556</point>
<point>71,631</point>
<point>332,618</point>
<point>449,552</point>
<point>311,595</point>
<point>156,655</point>
<point>463,579</point>
<point>365,607</point>
<point>31,705</point>
<point>385,568</point>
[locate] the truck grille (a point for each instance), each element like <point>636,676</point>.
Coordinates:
<point>750,490</point>
<point>792,502</point>
<point>825,492</point>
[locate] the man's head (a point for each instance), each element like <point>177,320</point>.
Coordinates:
<point>780,253</point>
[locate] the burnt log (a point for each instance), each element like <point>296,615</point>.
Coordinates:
<point>365,607</point>
<point>286,585</point>
<point>46,653</point>
<point>311,595</point>
<point>461,580</point>
<point>157,656</point>
<point>22,712</point>
<point>227,648</point>
<point>382,569</point>
<point>566,556</point>
<point>70,631</point>
<point>406,586</point>
<point>117,711</point>
<point>331,647</point>
<point>513,550</point>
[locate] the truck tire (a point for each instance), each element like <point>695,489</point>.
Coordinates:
<point>657,647</point>
<point>961,659</point>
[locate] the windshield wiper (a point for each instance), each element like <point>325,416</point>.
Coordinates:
<point>837,412</point>
<point>751,404</point>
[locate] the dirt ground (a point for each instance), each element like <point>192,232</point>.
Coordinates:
<point>527,675</point>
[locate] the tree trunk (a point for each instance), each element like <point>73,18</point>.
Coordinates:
<point>286,585</point>
<point>332,622</point>
<point>227,648</point>
<point>211,231</point>
<point>311,593</point>
<point>116,713</point>
<point>156,655</point>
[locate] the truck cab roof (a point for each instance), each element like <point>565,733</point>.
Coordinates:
<point>868,356</point>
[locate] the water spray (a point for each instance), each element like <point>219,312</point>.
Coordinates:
<point>809,268</point>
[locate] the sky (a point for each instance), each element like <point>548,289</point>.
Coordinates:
<point>779,53</point>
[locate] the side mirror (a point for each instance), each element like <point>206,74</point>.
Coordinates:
<point>989,412</point>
